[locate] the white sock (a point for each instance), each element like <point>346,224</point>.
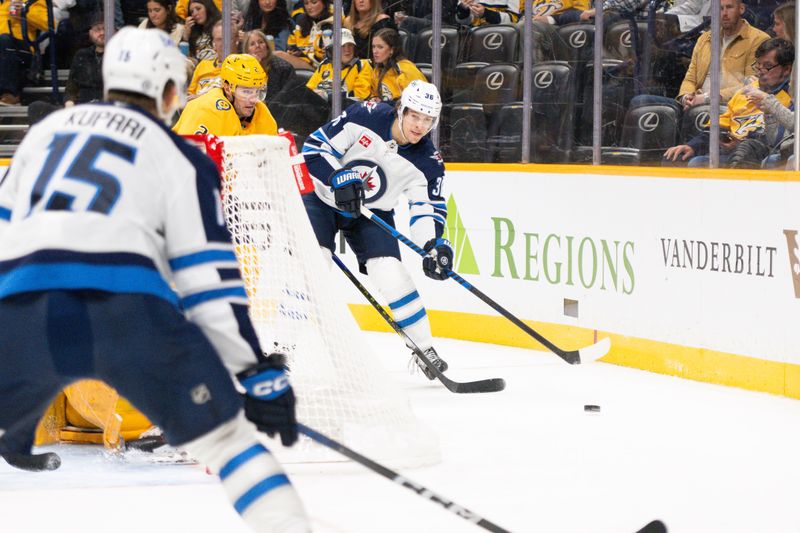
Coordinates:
<point>251,477</point>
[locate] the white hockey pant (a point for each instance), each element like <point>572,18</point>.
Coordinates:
<point>395,284</point>
<point>251,477</point>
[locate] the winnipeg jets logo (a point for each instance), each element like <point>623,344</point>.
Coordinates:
<point>365,141</point>
<point>372,175</point>
<point>437,157</point>
<point>370,105</point>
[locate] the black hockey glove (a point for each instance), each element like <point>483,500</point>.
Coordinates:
<point>439,259</point>
<point>348,191</point>
<point>269,402</point>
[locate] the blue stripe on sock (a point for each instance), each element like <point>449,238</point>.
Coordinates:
<point>214,294</point>
<point>258,490</point>
<point>231,466</point>
<point>404,300</point>
<point>412,319</point>
<point>199,258</point>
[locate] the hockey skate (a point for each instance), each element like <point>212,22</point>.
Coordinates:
<point>434,358</point>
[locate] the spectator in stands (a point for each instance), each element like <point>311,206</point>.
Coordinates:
<point>81,15</point>
<point>686,15</point>
<point>321,81</point>
<point>739,44</point>
<point>366,17</point>
<point>304,51</point>
<point>272,18</point>
<point>161,15</point>
<point>613,8</point>
<point>418,14</point>
<point>85,82</point>
<point>206,74</point>
<point>388,72</point>
<point>15,54</point>
<point>756,119</point>
<point>203,14</point>
<point>236,108</point>
<point>475,13</point>
<point>558,13</point>
<point>237,7</point>
<point>279,72</point>
<point>783,25</point>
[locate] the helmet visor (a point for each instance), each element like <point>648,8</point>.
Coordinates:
<point>250,93</point>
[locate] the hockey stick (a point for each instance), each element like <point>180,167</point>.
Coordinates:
<point>484,385</point>
<point>574,357</point>
<point>391,475</point>
<point>656,526</point>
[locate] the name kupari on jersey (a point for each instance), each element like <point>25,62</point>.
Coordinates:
<point>110,119</point>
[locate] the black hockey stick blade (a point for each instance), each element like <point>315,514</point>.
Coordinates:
<point>656,526</point>
<point>469,387</point>
<point>393,476</point>
<point>575,357</point>
<point>33,462</point>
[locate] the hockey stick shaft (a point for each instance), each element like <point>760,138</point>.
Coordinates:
<point>571,357</point>
<point>486,385</point>
<point>393,476</point>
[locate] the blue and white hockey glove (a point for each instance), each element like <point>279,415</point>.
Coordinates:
<point>439,259</point>
<point>348,191</point>
<point>269,402</point>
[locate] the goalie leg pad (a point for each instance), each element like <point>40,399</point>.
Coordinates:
<point>252,479</point>
<point>398,289</point>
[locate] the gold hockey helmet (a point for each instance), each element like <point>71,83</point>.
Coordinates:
<point>243,70</point>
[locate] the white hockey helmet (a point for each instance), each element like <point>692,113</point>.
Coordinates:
<point>422,97</point>
<point>144,61</point>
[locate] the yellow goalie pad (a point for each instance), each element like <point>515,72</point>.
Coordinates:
<point>90,411</point>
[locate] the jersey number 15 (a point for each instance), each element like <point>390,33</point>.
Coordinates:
<point>82,169</point>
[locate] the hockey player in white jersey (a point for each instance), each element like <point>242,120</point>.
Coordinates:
<point>373,153</point>
<point>116,264</point>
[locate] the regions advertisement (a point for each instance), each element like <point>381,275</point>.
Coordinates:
<point>709,264</point>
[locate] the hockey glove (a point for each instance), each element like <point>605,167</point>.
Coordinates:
<point>269,402</point>
<point>348,191</point>
<point>439,259</point>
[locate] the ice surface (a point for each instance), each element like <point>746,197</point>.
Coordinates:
<point>700,457</point>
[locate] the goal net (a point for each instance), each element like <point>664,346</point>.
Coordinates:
<point>341,387</point>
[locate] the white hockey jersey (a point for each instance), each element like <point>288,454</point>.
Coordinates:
<point>105,197</point>
<point>361,139</point>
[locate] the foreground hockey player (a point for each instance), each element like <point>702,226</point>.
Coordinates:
<point>236,108</point>
<point>373,153</point>
<point>105,210</point>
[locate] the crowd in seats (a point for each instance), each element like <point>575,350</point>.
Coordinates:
<point>655,64</point>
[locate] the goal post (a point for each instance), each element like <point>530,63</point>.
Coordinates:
<point>342,389</point>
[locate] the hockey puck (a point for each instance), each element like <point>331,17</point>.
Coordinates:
<point>590,408</point>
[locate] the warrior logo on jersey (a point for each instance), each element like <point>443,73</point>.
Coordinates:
<point>365,141</point>
<point>223,105</point>
<point>374,181</point>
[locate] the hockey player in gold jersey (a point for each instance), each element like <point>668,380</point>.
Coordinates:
<point>234,109</point>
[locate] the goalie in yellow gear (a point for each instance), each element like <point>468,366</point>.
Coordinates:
<point>236,108</point>
<point>90,411</point>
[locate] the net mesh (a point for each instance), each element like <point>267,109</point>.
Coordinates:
<point>342,389</point>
